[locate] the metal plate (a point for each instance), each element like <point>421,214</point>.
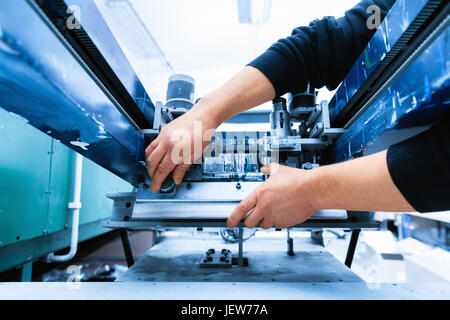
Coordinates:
<point>193,201</point>
<point>177,259</point>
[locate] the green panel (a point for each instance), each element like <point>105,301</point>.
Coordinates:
<point>30,250</point>
<point>97,182</point>
<point>35,189</point>
<point>24,179</point>
<point>60,187</point>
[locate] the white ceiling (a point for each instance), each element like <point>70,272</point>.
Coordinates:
<point>204,39</point>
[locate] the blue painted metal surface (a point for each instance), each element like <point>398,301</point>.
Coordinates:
<point>99,32</point>
<point>41,81</point>
<point>393,26</point>
<point>418,97</point>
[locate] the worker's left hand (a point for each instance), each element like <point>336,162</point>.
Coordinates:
<point>284,200</point>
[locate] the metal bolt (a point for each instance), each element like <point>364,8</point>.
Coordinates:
<point>238,186</point>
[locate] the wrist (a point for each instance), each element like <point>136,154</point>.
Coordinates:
<point>320,188</point>
<point>209,111</point>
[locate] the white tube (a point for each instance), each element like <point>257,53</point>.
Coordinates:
<point>74,207</point>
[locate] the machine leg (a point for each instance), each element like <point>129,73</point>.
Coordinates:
<point>241,241</point>
<point>352,247</point>
<point>26,272</point>
<point>127,247</point>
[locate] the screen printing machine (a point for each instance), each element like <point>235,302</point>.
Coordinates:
<point>76,85</point>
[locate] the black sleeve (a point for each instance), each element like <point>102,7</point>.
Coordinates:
<point>420,168</point>
<point>322,53</point>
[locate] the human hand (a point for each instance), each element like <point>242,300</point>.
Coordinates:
<point>284,200</point>
<point>179,144</point>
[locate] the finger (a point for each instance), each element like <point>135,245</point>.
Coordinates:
<point>254,218</point>
<point>266,224</point>
<point>179,172</point>
<point>270,168</point>
<point>164,168</point>
<point>241,210</point>
<point>151,148</point>
<point>154,159</point>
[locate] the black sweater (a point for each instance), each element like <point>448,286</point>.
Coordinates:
<point>323,54</point>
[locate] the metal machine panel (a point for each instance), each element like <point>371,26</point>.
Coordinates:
<point>35,183</point>
<point>44,82</point>
<point>17,184</point>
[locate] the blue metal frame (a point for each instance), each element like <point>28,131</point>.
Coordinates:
<point>417,98</point>
<point>393,26</point>
<point>45,84</point>
<point>97,29</point>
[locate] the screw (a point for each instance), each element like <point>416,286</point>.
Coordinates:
<point>238,186</point>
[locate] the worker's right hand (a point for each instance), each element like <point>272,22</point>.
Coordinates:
<point>179,144</point>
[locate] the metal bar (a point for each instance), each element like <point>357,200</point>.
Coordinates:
<point>26,272</point>
<point>241,244</point>
<point>221,223</point>
<point>290,243</point>
<point>352,247</point>
<point>127,247</point>
<point>226,291</point>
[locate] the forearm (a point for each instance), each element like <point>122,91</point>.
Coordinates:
<point>362,184</point>
<point>247,89</point>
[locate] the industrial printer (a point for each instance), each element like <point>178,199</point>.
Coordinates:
<point>76,85</point>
